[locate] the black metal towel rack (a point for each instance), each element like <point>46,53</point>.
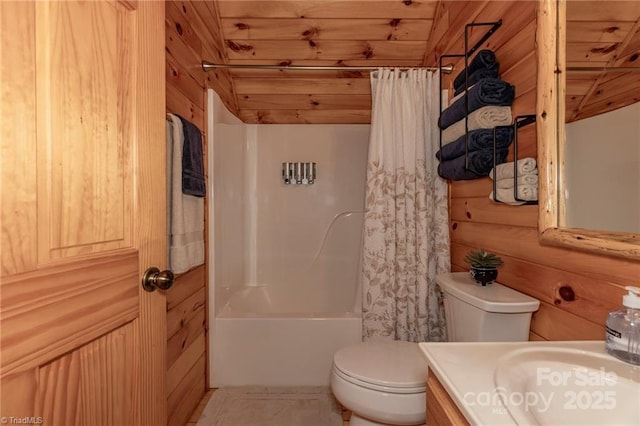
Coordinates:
<point>519,121</point>
<point>493,26</point>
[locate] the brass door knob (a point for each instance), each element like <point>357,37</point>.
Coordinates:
<point>153,279</point>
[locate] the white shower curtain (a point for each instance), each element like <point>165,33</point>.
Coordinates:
<point>406,230</point>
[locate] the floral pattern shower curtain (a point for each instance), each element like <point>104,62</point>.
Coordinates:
<point>406,233</point>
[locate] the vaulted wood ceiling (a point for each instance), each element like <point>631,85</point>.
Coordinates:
<point>602,34</point>
<point>400,33</point>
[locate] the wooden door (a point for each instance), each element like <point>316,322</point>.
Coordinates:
<point>82,213</point>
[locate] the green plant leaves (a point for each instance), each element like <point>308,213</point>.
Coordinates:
<point>481,258</point>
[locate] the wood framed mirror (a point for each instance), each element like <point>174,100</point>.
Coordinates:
<point>551,108</point>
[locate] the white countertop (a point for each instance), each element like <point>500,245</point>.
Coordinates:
<point>466,370</point>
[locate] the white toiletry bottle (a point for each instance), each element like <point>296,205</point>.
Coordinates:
<point>623,329</point>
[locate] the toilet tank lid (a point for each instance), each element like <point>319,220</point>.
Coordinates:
<point>491,298</point>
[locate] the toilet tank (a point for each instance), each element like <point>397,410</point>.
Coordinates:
<point>493,313</point>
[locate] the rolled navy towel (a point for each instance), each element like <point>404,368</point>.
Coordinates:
<point>477,76</point>
<point>478,139</point>
<point>486,92</point>
<point>484,59</point>
<point>480,163</point>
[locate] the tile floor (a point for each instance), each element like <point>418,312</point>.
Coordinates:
<point>346,414</point>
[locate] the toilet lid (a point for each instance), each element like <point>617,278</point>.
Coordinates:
<point>392,364</point>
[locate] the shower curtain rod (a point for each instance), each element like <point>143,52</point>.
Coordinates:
<point>208,66</point>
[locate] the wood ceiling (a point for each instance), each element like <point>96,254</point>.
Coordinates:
<point>401,33</point>
<point>602,34</point>
<point>335,33</point>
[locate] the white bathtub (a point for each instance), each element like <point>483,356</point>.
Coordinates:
<point>279,336</point>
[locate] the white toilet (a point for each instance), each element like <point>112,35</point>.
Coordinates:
<point>383,383</point>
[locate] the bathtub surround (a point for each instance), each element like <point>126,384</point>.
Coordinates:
<point>285,260</point>
<point>406,238</point>
<point>279,336</point>
<point>274,406</point>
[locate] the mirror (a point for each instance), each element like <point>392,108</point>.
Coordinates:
<point>597,37</point>
<point>602,117</point>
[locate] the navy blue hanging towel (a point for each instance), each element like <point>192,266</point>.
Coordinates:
<point>193,179</point>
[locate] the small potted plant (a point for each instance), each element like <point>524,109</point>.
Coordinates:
<point>484,266</point>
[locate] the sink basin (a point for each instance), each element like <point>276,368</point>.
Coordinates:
<point>567,386</point>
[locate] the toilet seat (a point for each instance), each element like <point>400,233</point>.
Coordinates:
<point>387,366</point>
<point>377,387</point>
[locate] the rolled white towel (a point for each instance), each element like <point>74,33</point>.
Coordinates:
<point>505,170</point>
<point>525,192</point>
<point>526,179</point>
<point>482,118</point>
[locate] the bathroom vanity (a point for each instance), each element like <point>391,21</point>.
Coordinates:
<point>515,383</point>
<point>441,409</point>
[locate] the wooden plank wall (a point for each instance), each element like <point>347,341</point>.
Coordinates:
<point>189,41</point>
<point>576,289</point>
